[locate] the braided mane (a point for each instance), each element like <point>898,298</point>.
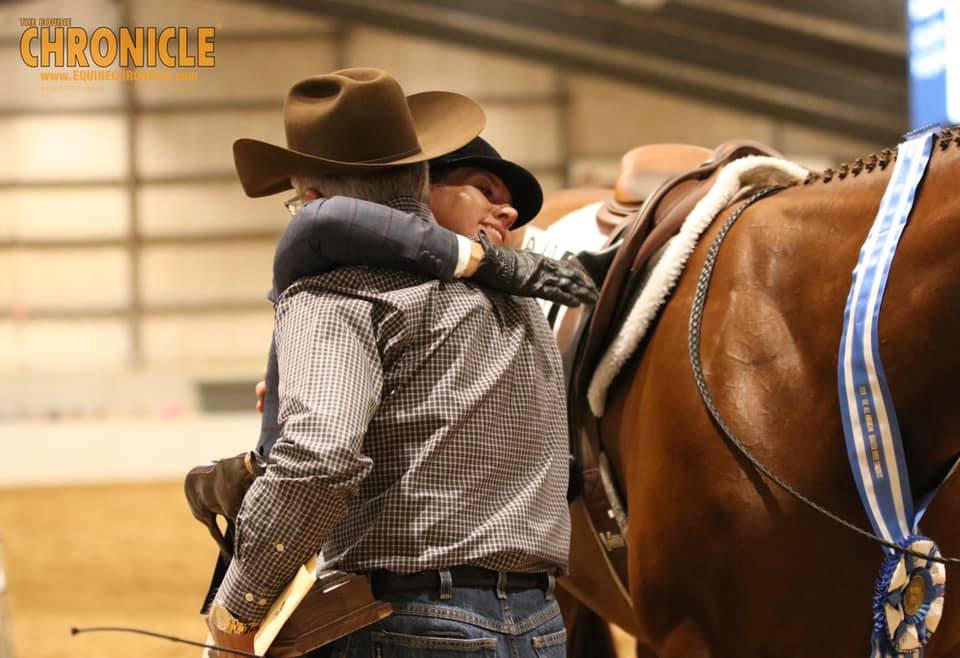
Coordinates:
<point>881,159</point>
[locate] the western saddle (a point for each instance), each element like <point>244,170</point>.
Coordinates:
<point>658,186</point>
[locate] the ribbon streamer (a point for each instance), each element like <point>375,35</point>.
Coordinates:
<point>908,597</point>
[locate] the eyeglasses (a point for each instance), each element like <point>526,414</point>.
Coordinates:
<point>293,205</point>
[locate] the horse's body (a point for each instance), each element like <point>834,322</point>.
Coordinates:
<point>722,562</point>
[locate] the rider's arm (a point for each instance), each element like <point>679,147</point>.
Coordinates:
<point>331,233</point>
<point>339,231</point>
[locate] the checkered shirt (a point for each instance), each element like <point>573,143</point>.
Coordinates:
<point>424,426</point>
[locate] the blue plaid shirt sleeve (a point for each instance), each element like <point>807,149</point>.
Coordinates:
<point>330,233</point>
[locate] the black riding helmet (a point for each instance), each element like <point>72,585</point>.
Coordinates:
<point>524,187</point>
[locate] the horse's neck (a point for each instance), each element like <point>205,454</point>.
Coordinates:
<point>804,243</point>
<point>850,203</point>
<point>919,320</point>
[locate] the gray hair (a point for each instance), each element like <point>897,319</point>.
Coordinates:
<point>381,186</point>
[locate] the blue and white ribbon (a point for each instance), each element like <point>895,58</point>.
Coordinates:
<point>909,595</point>
<point>908,600</point>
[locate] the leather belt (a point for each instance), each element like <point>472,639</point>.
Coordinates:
<point>462,576</point>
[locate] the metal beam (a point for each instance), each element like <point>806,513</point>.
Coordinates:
<point>807,48</point>
<point>889,16</point>
<point>288,36</point>
<point>200,178</point>
<point>142,109</point>
<point>185,240</point>
<point>179,179</point>
<point>807,22</point>
<point>26,314</point>
<point>134,243</point>
<point>240,105</point>
<point>697,44</point>
<point>879,124</point>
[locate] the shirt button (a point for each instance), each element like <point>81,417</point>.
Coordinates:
<point>279,548</point>
<point>249,597</point>
<point>262,602</point>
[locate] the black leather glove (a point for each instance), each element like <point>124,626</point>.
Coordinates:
<point>529,274</point>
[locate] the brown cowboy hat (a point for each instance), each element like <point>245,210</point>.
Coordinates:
<point>355,121</point>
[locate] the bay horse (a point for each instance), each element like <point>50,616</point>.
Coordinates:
<point>721,562</point>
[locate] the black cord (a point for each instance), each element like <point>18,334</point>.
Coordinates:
<point>696,321</point>
<point>172,638</point>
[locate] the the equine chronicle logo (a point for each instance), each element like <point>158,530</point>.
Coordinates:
<point>140,52</point>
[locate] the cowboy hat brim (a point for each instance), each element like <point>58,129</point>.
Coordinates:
<point>444,122</point>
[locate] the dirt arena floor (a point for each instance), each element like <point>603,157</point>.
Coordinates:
<point>119,555</point>
<point>111,555</point>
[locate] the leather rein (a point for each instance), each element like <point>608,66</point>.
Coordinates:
<point>696,322</point>
<point>160,636</point>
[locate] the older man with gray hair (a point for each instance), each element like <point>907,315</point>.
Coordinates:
<point>424,421</point>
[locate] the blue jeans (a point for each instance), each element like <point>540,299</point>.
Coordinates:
<point>474,622</point>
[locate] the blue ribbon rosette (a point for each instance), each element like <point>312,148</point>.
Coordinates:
<point>908,602</point>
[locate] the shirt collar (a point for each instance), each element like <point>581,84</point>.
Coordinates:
<point>411,204</point>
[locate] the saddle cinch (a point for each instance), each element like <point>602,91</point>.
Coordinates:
<point>639,225</point>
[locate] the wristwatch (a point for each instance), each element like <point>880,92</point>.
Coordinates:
<point>224,621</point>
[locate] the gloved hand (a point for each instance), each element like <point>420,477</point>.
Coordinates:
<point>529,274</point>
<point>217,489</point>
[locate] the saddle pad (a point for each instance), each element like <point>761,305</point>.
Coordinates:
<point>735,179</point>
